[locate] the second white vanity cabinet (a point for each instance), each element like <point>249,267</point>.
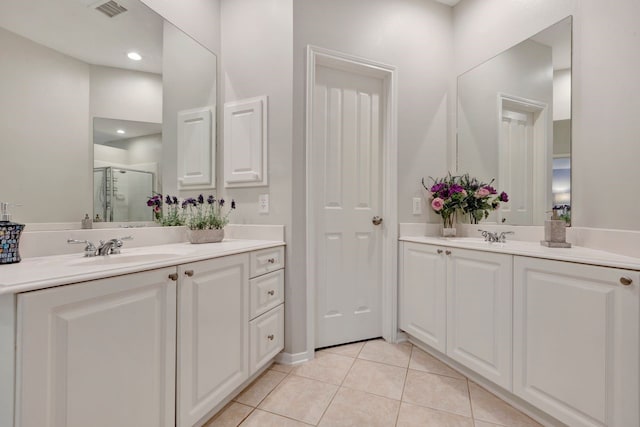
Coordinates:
<point>562,335</point>
<point>576,350</point>
<point>459,302</point>
<point>99,353</point>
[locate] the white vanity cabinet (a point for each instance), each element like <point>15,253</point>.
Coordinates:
<point>423,294</point>
<point>479,318</point>
<point>99,353</point>
<point>459,302</point>
<point>576,341</point>
<point>213,333</point>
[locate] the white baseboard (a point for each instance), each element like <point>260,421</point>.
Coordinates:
<point>294,358</point>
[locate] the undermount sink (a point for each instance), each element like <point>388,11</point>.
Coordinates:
<point>123,259</point>
<point>467,240</point>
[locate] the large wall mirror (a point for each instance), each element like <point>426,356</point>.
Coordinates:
<point>514,125</point>
<point>87,125</point>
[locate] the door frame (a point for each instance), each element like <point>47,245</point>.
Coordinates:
<point>388,74</point>
<point>542,151</point>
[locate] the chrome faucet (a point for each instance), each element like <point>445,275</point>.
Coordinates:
<point>494,237</point>
<point>110,247</point>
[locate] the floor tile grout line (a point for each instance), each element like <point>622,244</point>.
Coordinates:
<point>404,384</point>
<point>473,418</point>
<point>339,387</point>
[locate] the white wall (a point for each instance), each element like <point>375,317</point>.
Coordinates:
<point>606,62</point>
<point>562,94</point>
<point>117,93</point>
<point>257,59</point>
<point>44,117</point>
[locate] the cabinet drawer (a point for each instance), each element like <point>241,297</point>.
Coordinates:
<point>267,338</point>
<point>266,292</point>
<point>266,260</point>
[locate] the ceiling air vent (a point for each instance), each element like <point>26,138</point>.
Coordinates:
<point>111,8</point>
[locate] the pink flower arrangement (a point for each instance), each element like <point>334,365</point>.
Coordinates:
<point>447,195</point>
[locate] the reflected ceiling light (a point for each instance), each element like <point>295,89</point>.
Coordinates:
<point>134,56</point>
<point>120,131</point>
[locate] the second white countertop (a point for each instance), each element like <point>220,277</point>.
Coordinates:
<point>48,271</point>
<point>534,249</point>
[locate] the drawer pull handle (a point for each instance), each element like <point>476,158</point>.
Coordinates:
<point>626,281</point>
<point>173,276</point>
<point>447,252</point>
<point>271,260</point>
<point>188,273</point>
<point>439,251</point>
<point>270,337</point>
<point>272,292</point>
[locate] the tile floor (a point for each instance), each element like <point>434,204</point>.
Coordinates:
<point>368,384</point>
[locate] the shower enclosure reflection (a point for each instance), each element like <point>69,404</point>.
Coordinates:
<point>119,194</point>
<point>126,162</point>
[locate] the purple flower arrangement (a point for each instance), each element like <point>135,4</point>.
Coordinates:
<point>196,213</point>
<point>468,195</point>
<point>482,198</point>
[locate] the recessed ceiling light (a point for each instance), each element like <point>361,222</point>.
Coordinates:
<point>134,56</point>
<point>120,131</point>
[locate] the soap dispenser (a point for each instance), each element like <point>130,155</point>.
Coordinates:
<point>555,232</point>
<point>9,236</point>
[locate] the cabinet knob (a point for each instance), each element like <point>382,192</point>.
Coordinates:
<point>173,276</point>
<point>271,292</point>
<point>271,260</point>
<point>270,337</point>
<point>188,273</point>
<point>626,281</point>
<point>439,251</point>
<point>447,252</point>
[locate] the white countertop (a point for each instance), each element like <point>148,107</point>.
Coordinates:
<point>576,254</point>
<point>48,271</point>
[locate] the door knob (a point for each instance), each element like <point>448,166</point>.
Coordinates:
<point>173,276</point>
<point>188,273</point>
<point>376,220</point>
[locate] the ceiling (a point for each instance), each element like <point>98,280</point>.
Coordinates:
<point>105,130</point>
<point>78,30</point>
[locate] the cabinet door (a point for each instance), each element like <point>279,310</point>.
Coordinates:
<point>423,294</point>
<point>576,341</point>
<point>100,353</point>
<point>213,333</point>
<point>479,290</point>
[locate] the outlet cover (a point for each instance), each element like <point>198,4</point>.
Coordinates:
<point>417,206</point>
<point>263,203</point>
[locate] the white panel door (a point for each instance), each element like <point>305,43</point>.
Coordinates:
<point>423,295</point>
<point>479,323</point>
<point>347,194</point>
<point>576,345</point>
<point>213,334</point>
<point>516,173</point>
<point>98,354</point>
<point>196,154</point>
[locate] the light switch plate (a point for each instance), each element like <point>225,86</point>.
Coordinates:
<point>263,203</point>
<point>417,206</point>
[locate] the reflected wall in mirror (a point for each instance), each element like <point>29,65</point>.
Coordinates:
<point>64,74</point>
<point>514,125</point>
